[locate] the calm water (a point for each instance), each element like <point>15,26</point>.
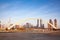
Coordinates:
<point>28,36</point>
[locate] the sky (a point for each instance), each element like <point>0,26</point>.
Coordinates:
<point>22,9</point>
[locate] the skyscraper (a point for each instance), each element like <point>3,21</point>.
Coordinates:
<point>49,26</point>
<point>42,26</point>
<point>0,24</point>
<point>40,23</point>
<point>37,22</point>
<point>55,23</point>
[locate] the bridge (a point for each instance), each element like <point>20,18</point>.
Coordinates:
<point>23,20</point>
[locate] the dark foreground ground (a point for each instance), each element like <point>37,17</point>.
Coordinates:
<point>29,36</point>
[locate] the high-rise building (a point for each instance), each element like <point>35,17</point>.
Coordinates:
<point>29,25</point>
<point>42,26</point>
<point>40,23</point>
<point>49,26</point>
<point>55,23</point>
<point>0,24</point>
<point>37,22</point>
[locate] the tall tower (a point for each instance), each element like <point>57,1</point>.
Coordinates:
<point>41,23</point>
<point>37,22</point>
<point>49,26</point>
<point>0,24</point>
<point>42,26</point>
<point>55,23</point>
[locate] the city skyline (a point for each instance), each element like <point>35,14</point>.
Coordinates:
<point>21,9</point>
<point>39,24</point>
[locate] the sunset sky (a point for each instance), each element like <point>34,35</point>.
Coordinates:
<point>21,9</point>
